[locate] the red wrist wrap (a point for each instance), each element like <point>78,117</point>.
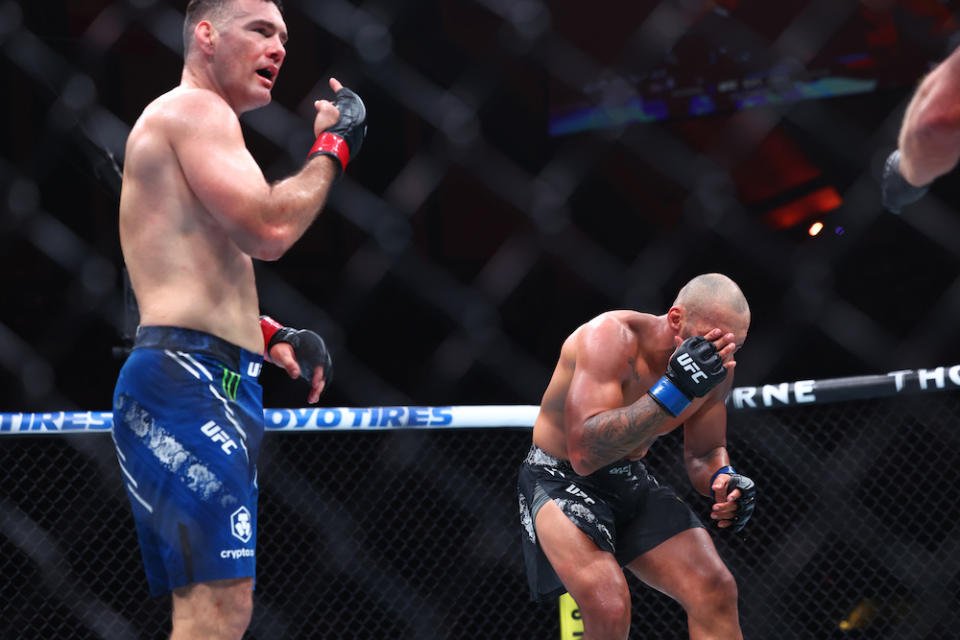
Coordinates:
<point>268,326</point>
<point>331,143</point>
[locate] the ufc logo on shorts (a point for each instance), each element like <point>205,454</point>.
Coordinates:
<point>577,491</point>
<point>689,365</point>
<point>215,433</point>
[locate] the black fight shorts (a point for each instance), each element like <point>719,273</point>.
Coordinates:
<point>621,507</point>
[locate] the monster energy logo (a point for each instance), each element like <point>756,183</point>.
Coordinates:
<point>230,383</point>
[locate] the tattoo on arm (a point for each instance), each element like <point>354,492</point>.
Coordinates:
<point>610,435</point>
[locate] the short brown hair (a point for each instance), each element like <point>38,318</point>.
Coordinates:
<point>197,10</point>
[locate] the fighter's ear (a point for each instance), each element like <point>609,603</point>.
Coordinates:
<point>675,317</point>
<point>205,36</point>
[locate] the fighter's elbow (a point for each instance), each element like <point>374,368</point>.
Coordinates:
<point>582,466</point>
<point>270,243</point>
<point>580,459</point>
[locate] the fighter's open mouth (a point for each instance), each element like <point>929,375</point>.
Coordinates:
<point>265,73</point>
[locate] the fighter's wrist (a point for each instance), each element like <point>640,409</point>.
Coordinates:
<point>895,190</point>
<point>669,396</point>
<point>330,144</point>
<point>269,328</point>
<point>724,469</point>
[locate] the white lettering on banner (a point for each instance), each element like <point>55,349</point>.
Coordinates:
<point>743,397</point>
<point>803,391</point>
<point>10,422</point>
<point>938,376</point>
<point>88,420</point>
<point>780,392</point>
<point>332,418</point>
<point>48,422</point>
<point>60,421</point>
<point>898,377</point>
<point>924,376</point>
<point>954,374</point>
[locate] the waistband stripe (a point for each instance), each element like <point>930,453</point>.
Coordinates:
<point>180,362</point>
<point>180,343</point>
<point>194,362</point>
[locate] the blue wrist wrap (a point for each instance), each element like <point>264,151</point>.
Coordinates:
<point>669,397</point>
<point>726,469</point>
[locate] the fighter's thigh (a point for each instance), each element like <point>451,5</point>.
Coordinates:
<point>682,565</point>
<point>583,567</point>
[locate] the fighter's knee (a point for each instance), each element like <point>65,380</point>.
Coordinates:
<point>717,591</point>
<point>237,616</point>
<point>606,614</point>
<point>723,584</point>
<point>220,610</point>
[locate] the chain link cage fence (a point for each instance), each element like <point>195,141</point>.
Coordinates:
<point>415,534</point>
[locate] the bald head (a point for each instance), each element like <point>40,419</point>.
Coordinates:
<point>712,289</point>
<point>714,299</point>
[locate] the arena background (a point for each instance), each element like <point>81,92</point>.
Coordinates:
<point>527,166</point>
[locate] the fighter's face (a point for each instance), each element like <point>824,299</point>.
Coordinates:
<point>728,322</point>
<point>249,52</point>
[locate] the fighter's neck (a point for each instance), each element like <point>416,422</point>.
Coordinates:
<point>193,77</point>
<point>661,339</point>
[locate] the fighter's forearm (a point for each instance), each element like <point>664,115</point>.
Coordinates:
<point>294,204</point>
<point>700,468</point>
<point>611,435</point>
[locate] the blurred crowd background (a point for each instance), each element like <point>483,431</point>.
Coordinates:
<point>527,166</point>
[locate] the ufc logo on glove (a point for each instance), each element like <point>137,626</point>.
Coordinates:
<point>689,365</point>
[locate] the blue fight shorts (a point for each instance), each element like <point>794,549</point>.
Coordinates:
<point>187,425</point>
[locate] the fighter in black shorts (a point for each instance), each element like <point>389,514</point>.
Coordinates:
<point>621,507</point>
<point>589,506</point>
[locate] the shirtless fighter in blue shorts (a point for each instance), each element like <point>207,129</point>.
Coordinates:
<point>589,505</point>
<point>195,210</point>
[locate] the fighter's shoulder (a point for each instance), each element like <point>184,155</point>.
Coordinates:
<point>620,324</point>
<point>606,335</point>
<point>186,110</point>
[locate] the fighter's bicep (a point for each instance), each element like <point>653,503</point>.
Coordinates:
<point>217,166</point>
<point>597,382</point>
<point>591,392</point>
